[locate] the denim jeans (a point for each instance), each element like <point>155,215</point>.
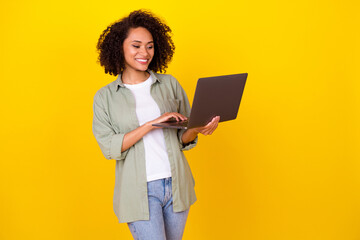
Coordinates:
<point>164,224</point>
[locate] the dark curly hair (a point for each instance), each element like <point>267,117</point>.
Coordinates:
<point>110,43</point>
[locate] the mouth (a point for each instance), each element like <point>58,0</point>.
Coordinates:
<point>142,60</point>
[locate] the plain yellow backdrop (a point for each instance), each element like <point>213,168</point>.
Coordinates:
<point>286,169</point>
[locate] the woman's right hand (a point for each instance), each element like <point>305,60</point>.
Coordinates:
<point>167,116</point>
<point>135,135</point>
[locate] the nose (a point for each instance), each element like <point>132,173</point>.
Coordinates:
<point>144,51</point>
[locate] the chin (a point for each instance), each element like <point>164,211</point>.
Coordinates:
<point>142,69</point>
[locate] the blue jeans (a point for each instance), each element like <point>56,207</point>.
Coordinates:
<point>164,224</point>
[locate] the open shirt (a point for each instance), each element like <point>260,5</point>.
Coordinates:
<point>114,116</point>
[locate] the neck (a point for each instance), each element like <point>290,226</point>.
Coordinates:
<point>130,76</point>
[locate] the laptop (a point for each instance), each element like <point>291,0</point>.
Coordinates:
<point>214,96</point>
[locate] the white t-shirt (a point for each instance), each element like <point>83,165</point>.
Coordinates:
<point>157,161</point>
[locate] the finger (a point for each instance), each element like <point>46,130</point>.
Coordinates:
<point>215,124</point>
<point>168,116</point>
<point>212,127</point>
<point>210,130</point>
<point>215,119</point>
<point>209,123</point>
<point>175,116</point>
<point>182,117</point>
<point>178,116</point>
<point>206,130</point>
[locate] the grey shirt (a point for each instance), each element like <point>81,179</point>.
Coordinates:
<point>114,116</point>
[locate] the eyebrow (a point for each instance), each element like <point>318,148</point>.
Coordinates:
<point>141,42</point>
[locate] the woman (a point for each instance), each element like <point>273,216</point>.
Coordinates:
<point>154,186</point>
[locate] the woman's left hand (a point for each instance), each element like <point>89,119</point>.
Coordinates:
<point>190,134</point>
<point>209,128</point>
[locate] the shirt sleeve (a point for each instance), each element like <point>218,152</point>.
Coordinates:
<point>109,141</point>
<point>184,109</point>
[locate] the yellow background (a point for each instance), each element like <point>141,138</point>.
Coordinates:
<point>286,169</point>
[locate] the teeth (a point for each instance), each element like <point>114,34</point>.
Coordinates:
<point>142,60</point>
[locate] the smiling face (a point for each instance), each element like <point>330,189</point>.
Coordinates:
<point>138,49</point>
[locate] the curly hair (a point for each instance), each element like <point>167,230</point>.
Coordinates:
<point>110,43</point>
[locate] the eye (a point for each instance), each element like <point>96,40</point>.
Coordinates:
<point>150,47</point>
<point>136,46</point>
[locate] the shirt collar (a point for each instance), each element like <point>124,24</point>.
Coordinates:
<point>119,83</point>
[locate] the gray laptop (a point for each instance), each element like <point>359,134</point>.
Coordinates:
<point>214,96</point>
